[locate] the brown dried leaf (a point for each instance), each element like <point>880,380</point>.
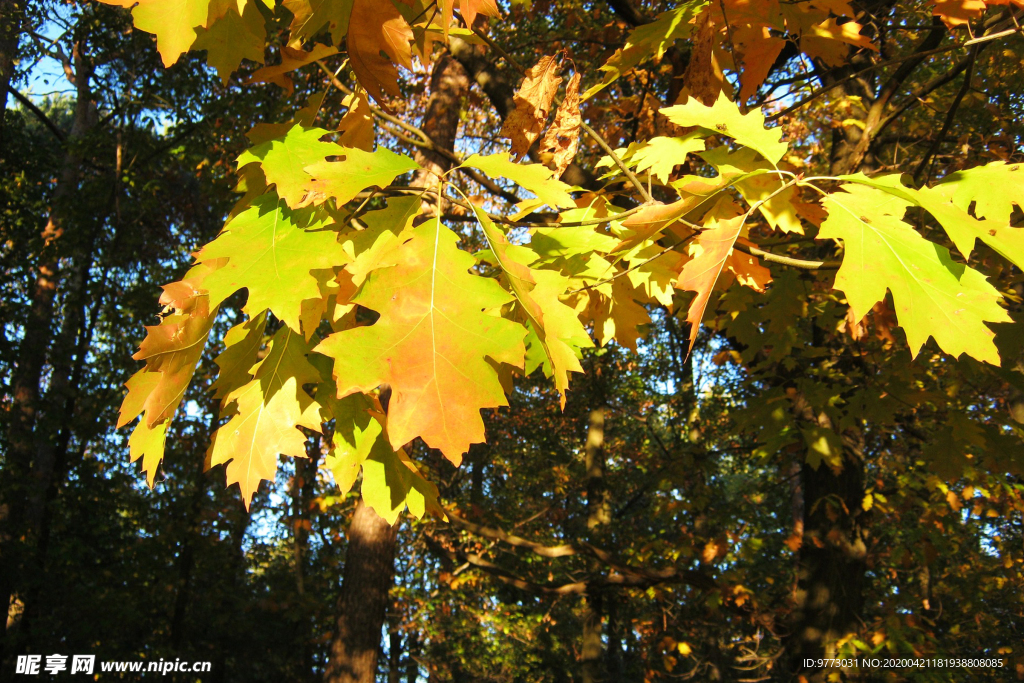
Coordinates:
<point>701,79</point>
<point>563,137</point>
<point>533,104</point>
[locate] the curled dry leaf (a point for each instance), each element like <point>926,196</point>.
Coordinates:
<point>533,103</point>
<point>702,80</point>
<point>559,145</point>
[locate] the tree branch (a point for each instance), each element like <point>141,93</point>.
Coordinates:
<point>950,115</point>
<point>43,118</point>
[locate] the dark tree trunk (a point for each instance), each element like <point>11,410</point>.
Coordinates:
<point>12,18</point>
<point>830,574</point>
<point>303,492</point>
<point>363,604</point>
<point>28,470</point>
<point>598,514</point>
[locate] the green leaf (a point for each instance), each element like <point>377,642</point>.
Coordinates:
<point>649,41</point>
<point>724,118</point>
<point>391,482</point>
<point>283,160</point>
<point>232,38</point>
<point>661,154</point>
<point>243,343</point>
<point>173,22</point>
<point>268,411</point>
<point>355,432</point>
<point>555,325</point>
<point>752,177</point>
<point>535,178</point>
<point>357,171</point>
<point>992,189</point>
<point>948,205</point>
<point>273,258</point>
<point>374,247</point>
<point>933,295</point>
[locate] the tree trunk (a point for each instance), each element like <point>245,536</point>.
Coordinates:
<point>598,514</point>
<point>303,492</point>
<point>13,17</point>
<point>27,469</point>
<point>362,606</point>
<point>449,85</point>
<point>832,563</point>
<point>830,578</point>
<point>369,560</point>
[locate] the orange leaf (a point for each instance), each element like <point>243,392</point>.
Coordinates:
<point>437,343</point>
<point>702,273</point>
<point>377,27</point>
<point>291,59</point>
<point>759,50</point>
<point>471,8</point>
<point>357,123</point>
<point>701,80</point>
<point>959,12</point>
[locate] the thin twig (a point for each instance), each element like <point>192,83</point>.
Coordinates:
<point>949,48</point>
<point>618,162</point>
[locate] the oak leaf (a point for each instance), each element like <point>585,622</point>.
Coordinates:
<point>992,190</point>
<point>232,37</point>
<point>283,158</point>
<point>376,27</point>
<point>310,16</point>
<point>662,154</point>
<point>558,146</point>
<point>269,410</point>
<point>532,105</point>
<point>354,172</point>
<point>437,343</point>
<point>702,80</point>
<point>391,482</point>
<point>933,295</point>
<point>713,256</point>
<point>649,41</point>
<point>951,211</point>
<point>356,125</point>
<point>271,256</point>
<point>958,12</point>
<point>147,443</point>
<point>553,325</point>
<point>535,178</point>
<point>172,21</point>
<point>724,117</point>
<point>242,344</point>
<point>471,8</point>
<point>171,351</point>
<point>291,59</point>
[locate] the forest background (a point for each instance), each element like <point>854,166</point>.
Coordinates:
<point>705,476</point>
